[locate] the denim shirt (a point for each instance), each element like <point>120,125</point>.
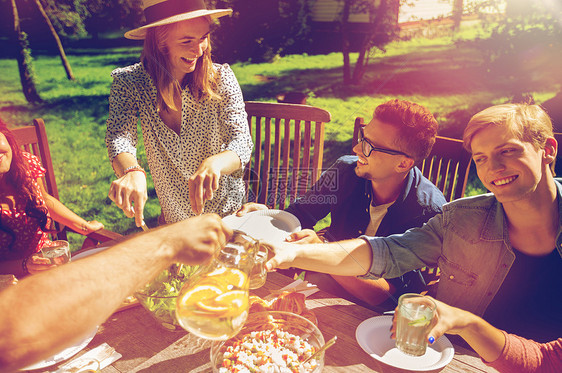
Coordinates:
<point>347,197</point>
<point>470,244</point>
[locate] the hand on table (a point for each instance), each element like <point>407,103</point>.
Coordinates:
<point>249,207</point>
<point>304,236</point>
<point>129,194</point>
<point>91,226</point>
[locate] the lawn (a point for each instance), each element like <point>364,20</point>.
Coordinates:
<point>450,78</point>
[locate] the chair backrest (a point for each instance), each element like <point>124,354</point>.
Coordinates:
<point>447,165</point>
<point>288,151</point>
<point>33,139</point>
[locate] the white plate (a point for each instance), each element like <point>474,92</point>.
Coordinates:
<point>65,354</point>
<point>269,225</point>
<point>89,252</point>
<point>373,335</point>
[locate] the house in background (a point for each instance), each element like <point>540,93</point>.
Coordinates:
<point>326,19</point>
<point>415,18</point>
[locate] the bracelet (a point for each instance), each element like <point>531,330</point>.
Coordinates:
<point>84,227</point>
<point>133,168</point>
<point>24,265</point>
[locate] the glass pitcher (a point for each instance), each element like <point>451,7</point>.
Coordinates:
<point>213,304</point>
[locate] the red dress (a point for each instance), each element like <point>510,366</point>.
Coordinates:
<point>29,236</point>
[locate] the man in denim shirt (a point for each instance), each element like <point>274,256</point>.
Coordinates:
<point>500,254</point>
<point>378,191</point>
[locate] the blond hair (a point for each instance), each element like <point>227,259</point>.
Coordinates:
<point>529,123</point>
<point>202,81</point>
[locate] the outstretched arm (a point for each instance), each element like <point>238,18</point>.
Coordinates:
<point>345,258</point>
<point>62,214</point>
<point>87,291</point>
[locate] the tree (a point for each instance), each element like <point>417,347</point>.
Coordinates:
<point>458,6</point>
<point>60,49</point>
<point>259,30</point>
<point>102,15</point>
<point>24,60</point>
<point>381,29</point>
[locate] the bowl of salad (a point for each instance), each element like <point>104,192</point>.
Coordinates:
<point>270,341</point>
<point>158,297</point>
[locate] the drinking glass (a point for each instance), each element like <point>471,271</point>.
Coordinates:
<point>58,252</point>
<point>414,315</point>
<point>258,274</point>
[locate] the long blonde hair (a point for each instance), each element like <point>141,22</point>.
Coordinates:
<point>202,81</point>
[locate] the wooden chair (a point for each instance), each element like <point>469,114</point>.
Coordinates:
<point>288,151</point>
<point>33,139</point>
<point>447,165</point>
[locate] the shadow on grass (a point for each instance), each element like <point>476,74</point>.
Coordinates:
<point>65,107</point>
<point>435,71</point>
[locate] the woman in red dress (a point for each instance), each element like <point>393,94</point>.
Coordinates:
<point>27,210</point>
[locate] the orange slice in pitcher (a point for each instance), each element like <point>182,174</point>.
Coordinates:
<point>232,276</point>
<point>199,293</point>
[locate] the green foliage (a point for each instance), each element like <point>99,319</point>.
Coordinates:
<point>259,31</point>
<point>521,44</point>
<point>65,18</point>
<point>100,15</point>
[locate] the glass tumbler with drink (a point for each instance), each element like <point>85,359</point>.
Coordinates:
<point>214,303</point>
<point>258,274</point>
<point>413,320</point>
<point>58,252</point>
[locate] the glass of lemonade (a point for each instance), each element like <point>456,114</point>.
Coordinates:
<point>258,274</point>
<point>58,252</point>
<point>214,303</point>
<point>413,320</point>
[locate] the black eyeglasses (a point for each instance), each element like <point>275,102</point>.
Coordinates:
<point>367,148</point>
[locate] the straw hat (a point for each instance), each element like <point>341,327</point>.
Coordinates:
<point>164,12</point>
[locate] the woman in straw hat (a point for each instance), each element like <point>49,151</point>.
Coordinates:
<point>192,115</point>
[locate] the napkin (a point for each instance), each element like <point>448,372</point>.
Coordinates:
<point>104,353</point>
<point>298,286</point>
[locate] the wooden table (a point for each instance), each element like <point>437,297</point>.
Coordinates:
<point>148,347</point>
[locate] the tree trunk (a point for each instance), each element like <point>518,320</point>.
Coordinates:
<point>24,61</point>
<point>63,58</point>
<point>345,42</point>
<point>362,60</point>
<point>376,16</point>
<point>458,6</point>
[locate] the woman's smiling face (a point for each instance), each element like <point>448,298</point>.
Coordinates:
<point>5,155</point>
<point>186,42</point>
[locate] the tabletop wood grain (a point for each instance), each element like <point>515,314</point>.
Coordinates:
<point>148,347</point>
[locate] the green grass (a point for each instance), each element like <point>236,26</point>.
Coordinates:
<point>449,78</point>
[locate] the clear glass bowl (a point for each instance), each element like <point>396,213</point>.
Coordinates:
<point>285,321</point>
<point>158,297</point>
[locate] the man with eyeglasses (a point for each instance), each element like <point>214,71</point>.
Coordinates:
<point>378,191</point>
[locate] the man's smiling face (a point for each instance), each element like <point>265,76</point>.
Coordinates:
<point>508,167</point>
